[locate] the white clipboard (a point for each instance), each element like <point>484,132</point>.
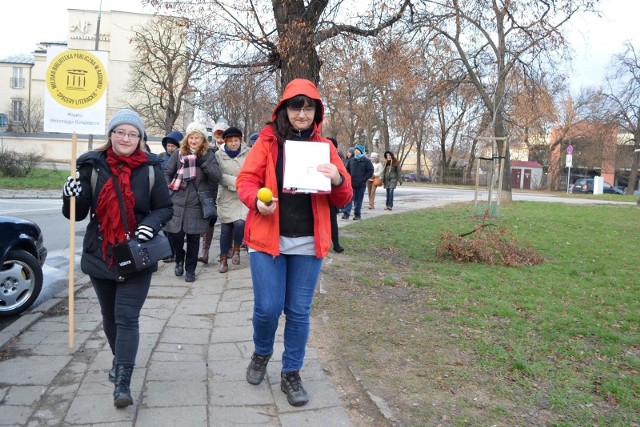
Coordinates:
<point>301,159</point>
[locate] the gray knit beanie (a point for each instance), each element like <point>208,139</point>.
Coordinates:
<point>126,117</point>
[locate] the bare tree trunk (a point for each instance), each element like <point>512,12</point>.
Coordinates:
<point>297,56</point>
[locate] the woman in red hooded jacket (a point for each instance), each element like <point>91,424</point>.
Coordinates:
<point>288,238</point>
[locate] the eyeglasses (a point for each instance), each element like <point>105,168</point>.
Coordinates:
<point>305,110</point>
<point>121,134</point>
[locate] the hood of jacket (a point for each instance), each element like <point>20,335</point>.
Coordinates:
<point>301,87</point>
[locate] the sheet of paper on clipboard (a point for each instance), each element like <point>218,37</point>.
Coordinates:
<point>301,159</point>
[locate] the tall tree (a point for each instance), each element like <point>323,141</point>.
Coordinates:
<point>623,92</point>
<point>282,35</point>
<point>243,98</point>
<point>169,58</point>
<point>493,38</point>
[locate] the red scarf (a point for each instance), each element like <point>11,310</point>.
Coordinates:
<point>108,207</point>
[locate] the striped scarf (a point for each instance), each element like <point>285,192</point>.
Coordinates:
<point>186,172</point>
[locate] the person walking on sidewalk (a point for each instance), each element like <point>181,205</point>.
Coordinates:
<point>375,178</point>
<point>170,143</point>
<point>191,169</point>
<point>333,211</point>
<point>120,160</point>
<point>361,169</point>
<point>391,177</point>
<point>231,211</point>
<point>207,236</point>
<point>289,236</point>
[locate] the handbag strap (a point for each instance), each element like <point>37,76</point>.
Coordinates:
<point>123,214</point>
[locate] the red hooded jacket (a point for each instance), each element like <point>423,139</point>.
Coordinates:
<point>262,232</point>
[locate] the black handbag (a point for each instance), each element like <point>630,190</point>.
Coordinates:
<point>132,255</point>
<point>208,204</point>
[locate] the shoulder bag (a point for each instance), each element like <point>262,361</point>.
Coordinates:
<point>131,255</point>
<point>207,203</point>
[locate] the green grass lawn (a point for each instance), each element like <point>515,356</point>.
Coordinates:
<point>37,179</point>
<point>561,338</point>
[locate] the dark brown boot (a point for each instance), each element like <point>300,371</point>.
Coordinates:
<point>235,259</point>
<point>224,267</point>
<point>206,244</point>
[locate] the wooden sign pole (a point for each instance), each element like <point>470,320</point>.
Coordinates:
<point>72,238</point>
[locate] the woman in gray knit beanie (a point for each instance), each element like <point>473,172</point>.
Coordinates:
<point>121,163</point>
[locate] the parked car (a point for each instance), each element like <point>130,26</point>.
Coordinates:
<point>22,255</point>
<point>411,177</point>
<point>585,186</point>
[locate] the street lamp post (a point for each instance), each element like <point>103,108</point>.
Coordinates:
<point>90,140</point>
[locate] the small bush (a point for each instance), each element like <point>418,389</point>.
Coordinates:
<point>486,244</point>
<point>18,165</point>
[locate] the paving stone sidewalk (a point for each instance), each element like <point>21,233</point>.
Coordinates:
<point>195,344</point>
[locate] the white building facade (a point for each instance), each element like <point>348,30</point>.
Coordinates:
<point>22,78</point>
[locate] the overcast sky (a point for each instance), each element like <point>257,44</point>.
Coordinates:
<point>24,23</point>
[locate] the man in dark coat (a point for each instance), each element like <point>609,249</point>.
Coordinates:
<point>361,169</point>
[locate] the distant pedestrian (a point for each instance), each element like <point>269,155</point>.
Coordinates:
<point>170,143</point>
<point>391,177</point>
<point>252,139</point>
<point>207,236</point>
<point>231,211</point>
<point>371,182</point>
<point>191,169</point>
<point>121,162</point>
<point>333,213</point>
<point>361,169</point>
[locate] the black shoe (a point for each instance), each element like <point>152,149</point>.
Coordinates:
<point>356,218</point>
<point>292,385</point>
<point>179,270</point>
<point>338,249</point>
<point>257,368</point>
<point>345,216</point>
<point>170,259</point>
<point>190,277</point>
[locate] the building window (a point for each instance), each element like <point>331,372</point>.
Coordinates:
<point>16,110</point>
<point>17,81</point>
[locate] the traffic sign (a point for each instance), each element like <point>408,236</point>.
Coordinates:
<point>569,161</point>
<point>570,149</point>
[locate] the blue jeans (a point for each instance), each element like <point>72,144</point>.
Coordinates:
<point>120,304</point>
<point>347,208</point>
<point>231,232</point>
<point>358,195</point>
<point>356,202</point>
<point>283,283</point>
<point>390,197</point>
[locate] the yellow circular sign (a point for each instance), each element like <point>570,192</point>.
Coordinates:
<point>76,79</point>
